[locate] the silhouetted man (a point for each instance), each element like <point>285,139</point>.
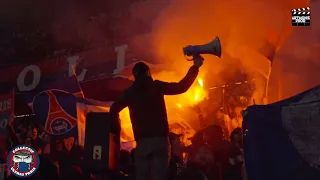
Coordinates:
<point>145,100</point>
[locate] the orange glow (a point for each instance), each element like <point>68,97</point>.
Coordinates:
<point>193,96</point>
<point>200,82</point>
<point>126,127</point>
<point>243,28</point>
<point>174,105</point>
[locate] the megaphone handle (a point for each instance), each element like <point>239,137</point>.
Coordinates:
<point>197,56</point>
<point>188,59</point>
<point>194,57</point>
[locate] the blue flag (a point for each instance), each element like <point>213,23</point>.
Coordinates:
<point>54,106</point>
<point>282,140</point>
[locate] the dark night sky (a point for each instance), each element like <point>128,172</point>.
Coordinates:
<point>30,30</point>
<point>27,27</point>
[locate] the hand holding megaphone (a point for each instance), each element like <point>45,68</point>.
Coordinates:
<point>214,48</point>
<point>198,60</point>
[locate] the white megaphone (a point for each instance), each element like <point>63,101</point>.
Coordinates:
<point>213,47</point>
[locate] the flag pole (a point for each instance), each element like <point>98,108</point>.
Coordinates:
<point>274,53</point>
<point>75,76</point>
<point>308,2</point>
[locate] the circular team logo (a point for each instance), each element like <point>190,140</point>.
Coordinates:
<point>23,161</point>
<point>56,111</point>
<point>60,126</point>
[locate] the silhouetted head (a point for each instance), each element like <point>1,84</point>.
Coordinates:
<point>141,70</point>
<point>236,137</point>
<point>34,133</point>
<point>213,134</point>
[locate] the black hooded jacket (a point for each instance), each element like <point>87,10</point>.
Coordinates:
<point>145,99</point>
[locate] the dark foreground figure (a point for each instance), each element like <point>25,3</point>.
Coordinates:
<point>145,100</point>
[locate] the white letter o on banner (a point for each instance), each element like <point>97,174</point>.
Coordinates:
<point>35,81</point>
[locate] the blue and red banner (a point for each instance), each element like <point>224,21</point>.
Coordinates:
<point>54,106</point>
<point>6,111</point>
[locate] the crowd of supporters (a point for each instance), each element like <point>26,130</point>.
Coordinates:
<point>210,157</point>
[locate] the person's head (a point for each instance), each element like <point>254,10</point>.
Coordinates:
<point>34,133</point>
<point>141,70</point>
<point>213,133</point>
<point>197,139</point>
<point>236,137</point>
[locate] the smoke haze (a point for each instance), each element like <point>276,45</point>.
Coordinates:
<point>239,24</point>
<point>298,62</point>
<point>173,24</point>
<point>245,28</point>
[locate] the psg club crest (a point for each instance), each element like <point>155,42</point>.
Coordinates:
<point>56,111</point>
<point>23,161</point>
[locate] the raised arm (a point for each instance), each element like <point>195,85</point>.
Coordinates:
<point>168,88</point>
<point>182,86</point>
<point>120,103</point>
